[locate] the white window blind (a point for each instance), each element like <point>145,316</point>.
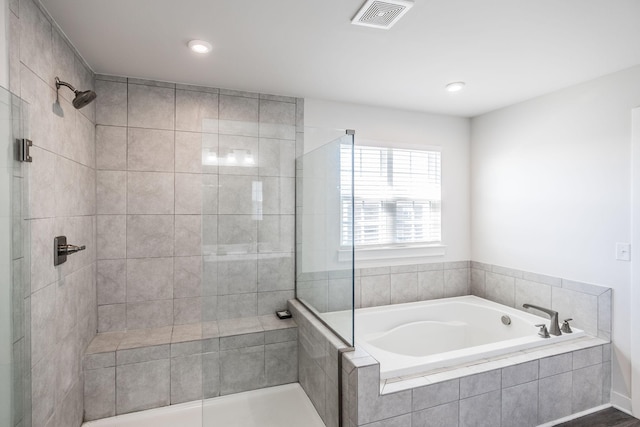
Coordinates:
<point>397,196</point>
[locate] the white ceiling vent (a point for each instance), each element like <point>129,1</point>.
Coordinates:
<point>381,14</point>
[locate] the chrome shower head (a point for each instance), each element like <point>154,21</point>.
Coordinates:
<point>82,99</point>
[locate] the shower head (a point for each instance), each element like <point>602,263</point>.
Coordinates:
<point>82,99</point>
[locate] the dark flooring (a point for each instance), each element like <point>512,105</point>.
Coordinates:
<point>609,417</point>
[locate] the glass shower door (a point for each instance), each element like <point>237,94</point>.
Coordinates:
<point>15,389</point>
<point>324,237</point>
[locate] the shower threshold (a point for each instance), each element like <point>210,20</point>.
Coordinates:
<point>268,407</point>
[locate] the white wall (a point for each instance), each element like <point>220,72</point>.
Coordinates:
<point>410,130</point>
<point>635,271</point>
<point>550,192</point>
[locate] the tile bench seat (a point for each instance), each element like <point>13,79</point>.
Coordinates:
<point>149,368</point>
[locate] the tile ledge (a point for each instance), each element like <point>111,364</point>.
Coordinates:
<point>107,342</point>
<point>394,385</point>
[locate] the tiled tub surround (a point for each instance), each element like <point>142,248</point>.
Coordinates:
<point>183,234</point>
<point>318,353</point>
<point>142,369</point>
<point>523,390</point>
<point>331,290</point>
<point>589,305</point>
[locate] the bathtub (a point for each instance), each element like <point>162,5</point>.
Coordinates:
<point>417,337</point>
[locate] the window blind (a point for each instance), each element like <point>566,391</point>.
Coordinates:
<point>397,196</point>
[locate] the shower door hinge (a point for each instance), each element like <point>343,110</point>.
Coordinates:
<point>25,145</point>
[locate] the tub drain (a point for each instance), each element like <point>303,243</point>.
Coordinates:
<point>506,320</point>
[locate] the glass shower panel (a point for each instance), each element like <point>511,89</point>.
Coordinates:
<point>324,244</point>
<point>248,247</point>
<point>15,389</point>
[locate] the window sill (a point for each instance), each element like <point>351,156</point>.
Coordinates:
<point>371,257</point>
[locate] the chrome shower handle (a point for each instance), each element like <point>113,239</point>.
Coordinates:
<point>70,249</point>
<point>61,249</point>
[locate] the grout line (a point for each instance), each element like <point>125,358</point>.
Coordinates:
<point>126,218</point>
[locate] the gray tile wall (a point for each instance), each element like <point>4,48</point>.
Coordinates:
<point>185,232</point>
<point>588,305</point>
<point>331,291</point>
<point>523,395</point>
<point>61,300</point>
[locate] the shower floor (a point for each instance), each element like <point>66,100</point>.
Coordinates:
<point>285,405</point>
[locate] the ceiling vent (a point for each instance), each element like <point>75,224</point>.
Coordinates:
<point>381,14</point>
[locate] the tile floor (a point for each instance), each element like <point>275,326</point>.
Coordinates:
<point>610,417</point>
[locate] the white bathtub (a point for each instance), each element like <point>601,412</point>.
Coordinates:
<point>268,407</point>
<point>417,337</point>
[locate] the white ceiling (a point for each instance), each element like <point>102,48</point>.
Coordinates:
<point>506,50</point>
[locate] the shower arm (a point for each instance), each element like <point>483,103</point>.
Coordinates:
<point>61,83</point>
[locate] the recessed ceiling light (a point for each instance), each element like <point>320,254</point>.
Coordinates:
<point>455,86</point>
<point>200,46</point>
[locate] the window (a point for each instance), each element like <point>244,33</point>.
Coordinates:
<point>396,197</point>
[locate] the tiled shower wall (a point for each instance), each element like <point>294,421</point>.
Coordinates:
<point>195,203</point>
<point>61,300</point>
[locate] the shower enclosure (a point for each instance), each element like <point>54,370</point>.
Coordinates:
<point>15,388</point>
<point>324,224</point>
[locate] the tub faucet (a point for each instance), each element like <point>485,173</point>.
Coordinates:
<point>554,327</point>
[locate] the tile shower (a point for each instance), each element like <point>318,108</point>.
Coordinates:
<point>140,165</point>
<point>195,196</point>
